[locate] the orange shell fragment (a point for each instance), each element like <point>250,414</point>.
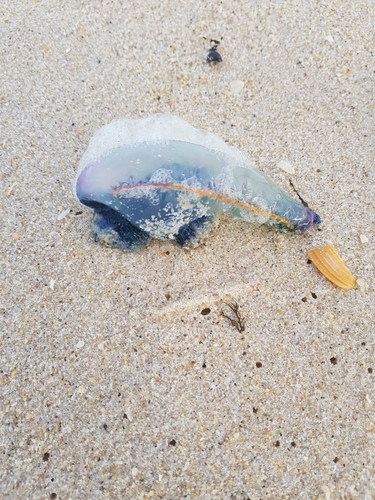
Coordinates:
<point>329,263</point>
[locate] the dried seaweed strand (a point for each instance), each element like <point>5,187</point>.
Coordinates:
<point>304,203</point>
<point>238,322</point>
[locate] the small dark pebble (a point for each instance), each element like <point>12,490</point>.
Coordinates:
<point>173,442</point>
<point>313,295</point>
<point>304,299</point>
<point>293,444</point>
<point>204,365</point>
<point>125,416</point>
<point>335,460</point>
<point>309,261</point>
<point>46,457</point>
<point>277,444</point>
<point>105,426</point>
<point>79,213</point>
<point>213,56</point>
<point>53,496</point>
<point>370,370</point>
<point>168,296</point>
<point>206,311</point>
<point>333,361</point>
<point>258,364</point>
<point>255,410</point>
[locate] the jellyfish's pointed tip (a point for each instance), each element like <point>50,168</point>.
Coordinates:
<point>317,219</point>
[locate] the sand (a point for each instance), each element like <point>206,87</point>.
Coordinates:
<point>113,382</point>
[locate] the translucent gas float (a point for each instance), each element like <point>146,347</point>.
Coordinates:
<point>161,178</point>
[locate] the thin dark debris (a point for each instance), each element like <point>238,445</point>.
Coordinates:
<point>300,198</point>
<point>238,322</point>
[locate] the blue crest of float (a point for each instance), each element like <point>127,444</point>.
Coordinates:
<point>159,177</point>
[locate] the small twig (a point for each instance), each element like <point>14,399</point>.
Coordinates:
<point>300,197</point>
<point>215,42</point>
<point>238,322</point>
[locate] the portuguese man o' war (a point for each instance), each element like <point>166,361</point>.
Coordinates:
<point>161,178</point>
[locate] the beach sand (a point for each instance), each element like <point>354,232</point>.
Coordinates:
<point>113,382</point>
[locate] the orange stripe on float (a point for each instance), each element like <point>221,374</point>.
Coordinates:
<point>208,194</point>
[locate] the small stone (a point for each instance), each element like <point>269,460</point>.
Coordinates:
<point>368,400</point>
<point>63,214</point>
<point>329,38</point>
<point>286,166</point>
<point>236,86</point>
<point>52,284</point>
<point>363,238</point>
<point>362,284</point>
<point>134,471</point>
<point>80,344</point>
<point>327,491</point>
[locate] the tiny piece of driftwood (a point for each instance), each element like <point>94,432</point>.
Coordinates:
<point>237,321</point>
